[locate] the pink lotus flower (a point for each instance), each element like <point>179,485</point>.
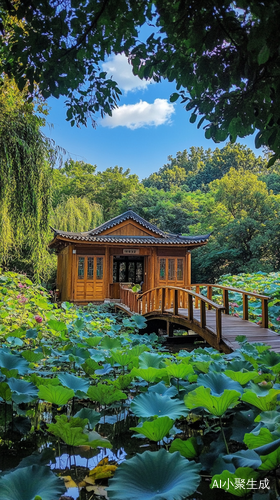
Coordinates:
<point>278,319</point>
<point>38,318</point>
<point>20,285</point>
<point>18,296</point>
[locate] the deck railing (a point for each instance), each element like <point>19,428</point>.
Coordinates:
<point>169,299</point>
<point>225,291</point>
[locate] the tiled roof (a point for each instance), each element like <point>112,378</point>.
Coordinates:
<point>177,240</point>
<point>123,217</point>
<point>164,239</point>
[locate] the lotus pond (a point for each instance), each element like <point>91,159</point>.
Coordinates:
<point>92,409</point>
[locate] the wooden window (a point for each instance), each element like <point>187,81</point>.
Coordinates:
<point>90,268</point>
<point>171,269</point>
<point>180,269</point>
<point>81,268</point>
<point>162,265</point>
<point>99,268</point>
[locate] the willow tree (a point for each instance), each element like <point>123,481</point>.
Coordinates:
<point>25,176</point>
<point>77,215</point>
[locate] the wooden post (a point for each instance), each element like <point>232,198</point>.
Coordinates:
<point>188,270</point>
<point>245,306</point>
<point>225,298</point>
<point>197,289</point>
<point>265,313</point>
<point>219,325</point>
<point>175,302</point>
<point>190,307</point>
<point>162,300</point>
<point>169,329</point>
<point>107,272</point>
<point>209,296</point>
<point>202,314</point>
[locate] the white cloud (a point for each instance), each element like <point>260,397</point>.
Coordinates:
<point>139,115</point>
<point>120,70</point>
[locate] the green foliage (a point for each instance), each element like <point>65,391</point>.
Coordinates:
<point>216,405</point>
<point>227,481</point>
<point>28,482</point>
<point>187,449</point>
<point>155,430</point>
<point>76,215</point>
<point>55,394</point>
<point>105,394</point>
<point>154,474</point>
<point>151,404</point>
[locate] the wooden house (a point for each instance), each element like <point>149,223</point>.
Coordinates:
<point>127,249</point>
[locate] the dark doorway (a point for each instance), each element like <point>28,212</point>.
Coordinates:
<point>128,269</point>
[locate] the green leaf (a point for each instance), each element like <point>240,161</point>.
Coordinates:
<point>55,394</point>
<point>263,55</point>
<point>22,391</point>
<point>93,341</point>
<point>228,480</point>
<point>5,391</point>
<point>105,394</point>
<point>92,416</point>
<point>108,343</point>
<point>264,403</point>
<point>216,405</point>
<point>155,430</point>
<point>71,432</point>
<point>151,360</point>
<point>187,449</point>
<point>244,458</point>
<point>13,361</point>
<point>149,374</point>
<point>32,356</point>
<point>174,97</point>
<point>218,382</point>
<point>56,325</point>
<point>72,382</point>
<point>241,377</point>
<point>153,476</point>
<point>28,482</point>
<point>150,404</point>
<point>179,371</point>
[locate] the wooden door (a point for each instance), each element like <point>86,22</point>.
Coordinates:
<point>89,282</point>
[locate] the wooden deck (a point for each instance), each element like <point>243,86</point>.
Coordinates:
<point>214,324</point>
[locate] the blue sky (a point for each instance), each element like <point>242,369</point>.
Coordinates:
<point>142,133</point>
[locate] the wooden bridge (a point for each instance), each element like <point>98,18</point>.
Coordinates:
<point>211,321</point>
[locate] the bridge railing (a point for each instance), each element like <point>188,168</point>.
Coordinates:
<point>169,299</point>
<point>245,295</point>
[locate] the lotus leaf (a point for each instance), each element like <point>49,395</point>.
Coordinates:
<point>179,371</point>
<point>218,382</point>
<point>5,392</point>
<point>270,419</point>
<point>149,374</point>
<point>187,449</point>
<point>95,440</point>
<point>55,394</point>
<point>32,356</point>
<point>264,403</point>
<point>151,404</point>
<point>22,391</point>
<point>269,450</point>
<point>202,366</point>
<point>139,321</point>
<point>161,389</point>
<point>151,359</point>
<point>123,358</point>
<point>93,341</point>
<point>43,381</point>
<point>138,349</point>
<point>92,416</point>
<point>155,430</point>
<point>154,476</point>
<point>227,481</point>
<point>244,458</point>
<point>28,483</point>
<point>77,384</point>
<point>71,432</point>
<point>108,343</point>
<point>243,422</point>
<point>105,394</point>
<point>13,361</point>
<point>123,381</point>
<point>57,326</point>
<point>241,377</point>
<point>240,365</point>
<point>270,359</point>
<point>216,405</point>
<point>104,370</point>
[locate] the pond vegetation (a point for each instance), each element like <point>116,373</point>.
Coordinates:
<point>90,408</point>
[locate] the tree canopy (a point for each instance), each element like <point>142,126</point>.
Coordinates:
<point>223,55</point>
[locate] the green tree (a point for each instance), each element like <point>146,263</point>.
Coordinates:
<point>223,56</point>
<point>204,166</point>
<point>244,218</point>
<point>76,215</point>
<point>171,211</point>
<point>25,180</point>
